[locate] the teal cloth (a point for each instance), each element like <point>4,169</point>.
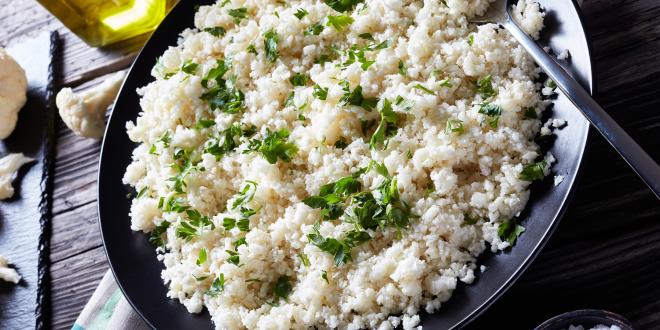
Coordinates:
<point>107,309</point>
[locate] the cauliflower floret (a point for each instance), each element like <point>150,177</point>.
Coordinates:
<point>6,273</point>
<point>84,112</point>
<point>8,167</point>
<point>13,91</point>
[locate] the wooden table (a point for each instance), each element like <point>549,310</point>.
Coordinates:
<point>605,254</point>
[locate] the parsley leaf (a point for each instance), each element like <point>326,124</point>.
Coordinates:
<point>245,195</point>
<point>238,14</point>
<point>355,97</point>
<point>367,36</point>
<point>299,79</point>
<point>156,235</point>
<point>493,111</point>
<point>204,123</point>
<point>274,146</point>
<point>218,286</point>
<point>252,49</point>
<point>270,45</point>
<point>189,67</point>
<point>228,223</point>
<point>324,275</point>
<point>282,288</point>
<point>530,113</point>
<point>304,259</point>
<point>320,92</point>
<point>201,258</point>
<point>387,127</point>
<point>454,126</point>
<point>342,5</point>
<point>217,31</point>
<point>510,231</point>
<point>233,258</point>
<point>225,142</point>
<point>471,40</point>
<point>424,89</point>
<point>315,29</point>
<point>339,22</point>
<point>403,70</point>
<point>485,87</point>
<point>300,13</point>
<point>341,143</point>
<point>532,172</point>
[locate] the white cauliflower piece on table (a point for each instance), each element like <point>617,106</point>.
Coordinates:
<point>84,112</point>
<point>9,165</point>
<point>13,93</point>
<point>8,274</point>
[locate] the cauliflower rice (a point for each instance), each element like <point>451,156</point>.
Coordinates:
<point>235,228</point>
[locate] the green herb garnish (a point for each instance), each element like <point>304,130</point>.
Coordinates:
<point>300,13</point>
<point>274,146</point>
<point>510,231</point>
<point>217,31</point>
<point>238,14</point>
<point>270,45</point>
<point>217,287</point>
<point>387,127</point>
<point>485,87</point>
<point>339,22</point>
<point>532,172</point>
<point>299,79</point>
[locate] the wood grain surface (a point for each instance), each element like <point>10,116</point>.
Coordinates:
<point>605,254</point>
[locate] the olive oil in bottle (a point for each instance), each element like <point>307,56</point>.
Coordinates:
<point>103,22</point>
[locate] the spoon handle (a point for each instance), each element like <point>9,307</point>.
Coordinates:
<point>647,169</point>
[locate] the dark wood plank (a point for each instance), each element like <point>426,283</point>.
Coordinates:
<point>73,282</point>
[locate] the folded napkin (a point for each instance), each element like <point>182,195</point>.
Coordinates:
<point>107,309</point>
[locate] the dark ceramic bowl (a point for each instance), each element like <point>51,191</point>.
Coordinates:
<point>587,318</point>
<point>133,260</point>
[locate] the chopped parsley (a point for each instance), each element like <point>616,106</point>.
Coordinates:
<point>471,40</point>
<point>424,89</point>
<point>300,13</point>
<point>238,14</point>
<point>299,79</point>
<point>229,223</point>
<point>324,275</point>
<point>367,210</point>
<point>530,113</point>
<point>404,104</point>
<point>387,127</point>
<point>189,67</point>
<point>355,97</point>
<point>204,123</point>
<point>550,84</point>
<point>225,142</point>
<point>403,70</point>
<point>367,36</point>
<point>333,195</point>
<point>510,231</point>
<point>533,172</point>
<point>320,92</point>
<point>454,126</point>
<point>339,22</point>
<point>233,257</point>
<point>304,259</point>
<point>274,146</point>
<point>194,226</point>
<point>201,258</point>
<point>282,288</point>
<point>252,49</point>
<point>485,87</point>
<point>217,31</point>
<point>358,53</point>
<point>224,96</point>
<point>446,83</point>
<point>142,192</point>
<point>342,5</point>
<point>218,286</point>
<point>156,235</point>
<point>315,29</point>
<point>239,242</point>
<point>493,111</point>
<point>341,143</point>
<point>245,195</point>
<point>270,45</point>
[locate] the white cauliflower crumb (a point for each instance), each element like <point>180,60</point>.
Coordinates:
<point>558,179</point>
<point>84,112</point>
<point>8,274</point>
<point>483,268</point>
<point>564,55</point>
<point>8,167</point>
<point>557,123</point>
<point>13,91</point>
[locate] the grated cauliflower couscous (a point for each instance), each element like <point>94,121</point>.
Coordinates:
<point>334,164</point>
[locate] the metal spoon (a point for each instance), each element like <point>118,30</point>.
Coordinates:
<point>648,170</point>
